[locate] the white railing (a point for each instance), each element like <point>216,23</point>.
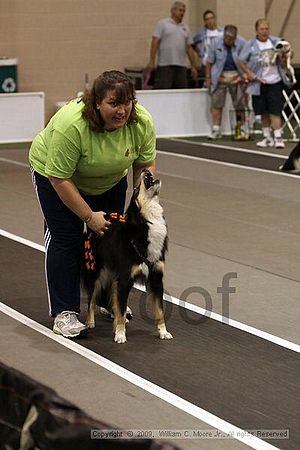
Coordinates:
<point>290,115</point>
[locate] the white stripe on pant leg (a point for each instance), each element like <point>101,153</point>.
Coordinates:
<point>47,237</point>
<point>33,177</point>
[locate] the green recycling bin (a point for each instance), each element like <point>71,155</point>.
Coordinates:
<point>8,75</point>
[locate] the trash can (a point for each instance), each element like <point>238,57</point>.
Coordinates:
<point>136,74</point>
<point>8,75</point>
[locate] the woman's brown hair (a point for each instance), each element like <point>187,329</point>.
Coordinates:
<point>112,80</point>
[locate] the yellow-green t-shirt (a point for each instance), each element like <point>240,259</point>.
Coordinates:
<point>95,162</point>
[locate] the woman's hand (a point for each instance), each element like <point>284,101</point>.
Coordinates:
<point>249,76</point>
<point>97,222</point>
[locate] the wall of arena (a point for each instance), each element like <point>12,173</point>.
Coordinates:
<point>57,42</point>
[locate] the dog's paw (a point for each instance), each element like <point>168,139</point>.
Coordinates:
<point>120,337</point>
<point>165,335</point>
<point>90,324</point>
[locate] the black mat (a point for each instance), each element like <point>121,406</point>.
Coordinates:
<point>243,379</point>
<point>233,156</point>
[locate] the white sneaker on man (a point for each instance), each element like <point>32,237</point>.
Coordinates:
<point>279,143</point>
<point>265,142</point>
<point>67,324</point>
<point>215,134</point>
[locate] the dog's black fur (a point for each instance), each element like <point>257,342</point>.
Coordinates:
<point>129,251</point>
<point>293,161</point>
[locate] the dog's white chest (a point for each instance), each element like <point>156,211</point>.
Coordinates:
<point>157,234</point>
<point>157,231</point>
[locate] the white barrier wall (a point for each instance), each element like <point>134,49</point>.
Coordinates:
<point>176,112</point>
<point>22,116</point>
<point>182,112</point>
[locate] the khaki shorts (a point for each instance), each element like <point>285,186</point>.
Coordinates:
<point>228,80</point>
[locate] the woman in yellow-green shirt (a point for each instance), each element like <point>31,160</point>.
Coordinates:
<point>79,168</point>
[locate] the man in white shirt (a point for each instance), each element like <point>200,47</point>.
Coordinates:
<point>266,81</point>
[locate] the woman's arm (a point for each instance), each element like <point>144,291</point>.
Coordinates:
<point>153,51</point>
<point>208,75</point>
<point>247,73</point>
<point>192,57</point>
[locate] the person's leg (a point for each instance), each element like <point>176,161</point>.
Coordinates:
<point>216,115</point>
<point>266,123</point>
<point>218,98</point>
<point>180,78</point>
<point>163,77</point>
<point>260,106</point>
<point>275,106</point>
<point>63,243</point>
<point>239,105</point>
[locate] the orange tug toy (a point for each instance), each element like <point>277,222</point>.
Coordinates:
<point>90,262</point>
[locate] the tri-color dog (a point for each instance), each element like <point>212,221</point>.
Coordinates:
<point>131,249</point>
<point>292,164</point>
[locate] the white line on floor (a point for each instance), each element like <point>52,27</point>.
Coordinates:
<point>222,163</point>
<point>197,309</point>
<point>17,163</point>
<point>197,158</point>
<point>21,240</point>
<point>228,147</point>
<point>142,383</point>
<point>233,323</point>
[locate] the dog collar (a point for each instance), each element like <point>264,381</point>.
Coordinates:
<point>149,264</point>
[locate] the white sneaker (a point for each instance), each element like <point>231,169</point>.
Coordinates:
<point>214,135</point>
<point>266,142</point>
<point>67,324</point>
<point>279,143</point>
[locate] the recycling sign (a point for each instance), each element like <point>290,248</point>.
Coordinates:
<point>9,85</point>
<point>8,75</point>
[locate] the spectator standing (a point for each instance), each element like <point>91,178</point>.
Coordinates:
<point>222,73</point>
<point>266,81</point>
<point>172,41</point>
<point>209,32</point>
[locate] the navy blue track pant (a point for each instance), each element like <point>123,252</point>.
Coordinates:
<point>64,240</point>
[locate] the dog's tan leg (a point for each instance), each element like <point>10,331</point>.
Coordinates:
<point>90,319</point>
<point>159,319</point>
<point>119,318</point>
<point>156,292</point>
